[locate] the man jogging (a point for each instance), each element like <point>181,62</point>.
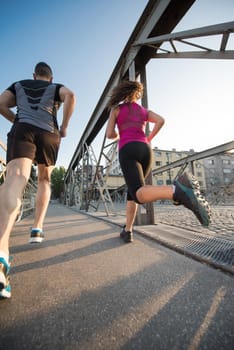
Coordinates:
<point>34,138</point>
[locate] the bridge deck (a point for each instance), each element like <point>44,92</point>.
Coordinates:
<point>83,288</point>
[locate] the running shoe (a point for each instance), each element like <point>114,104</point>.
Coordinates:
<point>122,232</point>
<point>36,236</point>
<point>5,293</point>
<point>127,236</point>
<point>4,273</point>
<point>187,193</point>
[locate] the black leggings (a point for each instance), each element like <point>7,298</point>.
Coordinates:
<point>136,161</point>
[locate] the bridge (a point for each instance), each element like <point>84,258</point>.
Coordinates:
<point>86,179</point>
<point>146,43</point>
<point>90,291</point>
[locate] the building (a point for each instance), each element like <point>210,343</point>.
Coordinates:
<point>219,171</point>
<point>165,157</point>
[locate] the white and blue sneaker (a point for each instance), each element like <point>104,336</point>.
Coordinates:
<point>36,236</point>
<point>5,293</point>
<point>5,287</point>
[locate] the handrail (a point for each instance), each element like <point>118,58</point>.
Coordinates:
<point>196,156</point>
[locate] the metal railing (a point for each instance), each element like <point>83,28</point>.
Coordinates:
<point>189,160</point>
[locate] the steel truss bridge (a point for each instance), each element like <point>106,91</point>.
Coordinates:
<point>85,182</point>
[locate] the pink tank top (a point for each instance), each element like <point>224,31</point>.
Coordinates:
<point>131,122</point>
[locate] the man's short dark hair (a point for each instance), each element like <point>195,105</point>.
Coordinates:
<point>43,70</point>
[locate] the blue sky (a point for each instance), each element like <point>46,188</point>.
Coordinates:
<point>82,41</point>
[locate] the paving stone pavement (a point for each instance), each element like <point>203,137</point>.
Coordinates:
<point>178,228</point>
<point>222,220</point>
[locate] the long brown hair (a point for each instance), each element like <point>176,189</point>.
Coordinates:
<point>126,90</point>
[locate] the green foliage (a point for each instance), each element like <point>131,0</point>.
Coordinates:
<point>57,177</point>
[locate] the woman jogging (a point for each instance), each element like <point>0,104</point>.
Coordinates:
<point>135,157</point>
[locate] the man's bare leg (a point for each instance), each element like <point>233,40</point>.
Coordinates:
<point>11,192</point>
<point>42,202</point>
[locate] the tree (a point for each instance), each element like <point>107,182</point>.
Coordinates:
<point>57,177</point>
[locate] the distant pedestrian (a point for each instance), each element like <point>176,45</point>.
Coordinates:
<point>34,138</point>
<point>135,157</point>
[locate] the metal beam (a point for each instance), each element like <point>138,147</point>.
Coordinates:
<point>198,55</point>
<point>205,52</point>
<point>215,29</point>
<point>3,146</point>
<point>229,146</point>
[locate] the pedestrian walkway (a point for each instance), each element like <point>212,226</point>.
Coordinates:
<point>84,289</point>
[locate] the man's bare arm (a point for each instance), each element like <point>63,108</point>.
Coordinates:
<point>69,102</point>
<point>7,101</point>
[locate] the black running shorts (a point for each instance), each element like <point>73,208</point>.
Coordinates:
<point>136,161</point>
<point>28,141</point>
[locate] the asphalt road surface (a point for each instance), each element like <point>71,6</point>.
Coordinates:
<point>83,288</point>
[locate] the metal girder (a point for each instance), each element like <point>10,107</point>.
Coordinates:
<point>3,146</point>
<point>216,29</point>
<point>229,146</point>
<point>159,17</point>
<point>201,55</point>
<point>223,30</point>
<point>2,163</point>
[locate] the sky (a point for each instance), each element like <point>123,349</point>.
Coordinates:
<point>82,42</point>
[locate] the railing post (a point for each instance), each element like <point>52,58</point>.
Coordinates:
<point>148,217</point>
<point>149,180</point>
